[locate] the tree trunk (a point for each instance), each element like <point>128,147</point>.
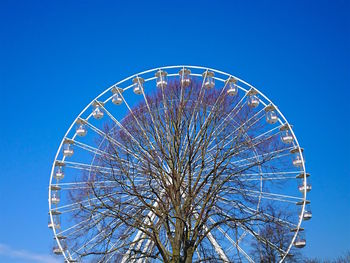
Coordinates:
<point>189,255</point>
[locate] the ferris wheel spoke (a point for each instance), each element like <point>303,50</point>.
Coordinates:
<point>265,240</point>
<point>198,255</point>
<point>91,223</point>
<point>151,115</point>
<point>230,141</point>
<point>233,243</point>
<point>215,104</point>
<point>89,167</point>
<point>270,178</point>
<point>113,249</point>
<point>256,212</point>
<point>210,150</point>
<point>127,132</point>
<point>92,239</point>
<point>273,173</point>
<point>87,185</point>
<point>82,223</point>
<point>105,201</point>
<point>271,198</point>
<point>191,123</point>
<point>237,129</point>
<point>207,118</point>
<point>106,135</point>
<point>261,176</point>
<point>210,159</point>
<point>111,252</point>
<point>196,105</point>
<point>263,213</point>
<point>92,149</point>
<point>243,125</point>
<point>113,244</point>
<point>263,154</point>
<point>268,194</point>
<point>100,186</point>
<point>113,141</point>
<point>93,183</point>
<point>266,156</point>
<point>97,168</point>
<point>263,195</point>
<point>79,208</point>
<point>144,151</point>
<point>240,104</point>
<point>80,202</point>
<point>239,170</point>
<point>269,131</point>
<point>86,182</point>
<point>218,249</point>
<point>166,121</point>
<point>138,123</point>
<point>257,236</point>
<point>257,157</point>
<point>149,244</point>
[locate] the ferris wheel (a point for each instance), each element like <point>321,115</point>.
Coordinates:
<point>231,155</point>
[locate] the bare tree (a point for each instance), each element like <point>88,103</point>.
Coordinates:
<point>341,259</point>
<point>172,181</point>
<point>274,232</point>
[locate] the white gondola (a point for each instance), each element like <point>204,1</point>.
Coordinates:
<point>297,157</point>
<point>232,87</point>
<point>271,115</point>
<point>56,219</point>
<point>138,85</point>
<point>209,81</point>
<point>252,98</point>
<point>97,112</point>
<point>300,242</point>
<point>62,240</point>
<point>71,260</point>
<point>59,170</point>
<point>55,196</point>
<point>81,129</point>
<point>68,150</point>
<point>185,78</point>
<point>286,135</point>
<point>307,212</point>
<point>56,223</point>
<point>302,188</point>
<point>161,79</point>
<point>307,215</point>
<point>56,250</point>
<point>117,99</point>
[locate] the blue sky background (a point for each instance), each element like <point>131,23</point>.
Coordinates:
<point>56,56</point>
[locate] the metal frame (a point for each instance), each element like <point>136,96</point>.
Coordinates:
<point>219,76</point>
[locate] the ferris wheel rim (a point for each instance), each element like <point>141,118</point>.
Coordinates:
<point>269,102</point>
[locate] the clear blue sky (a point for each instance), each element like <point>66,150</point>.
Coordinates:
<point>56,56</point>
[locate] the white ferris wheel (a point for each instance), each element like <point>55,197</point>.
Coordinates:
<point>267,182</point>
